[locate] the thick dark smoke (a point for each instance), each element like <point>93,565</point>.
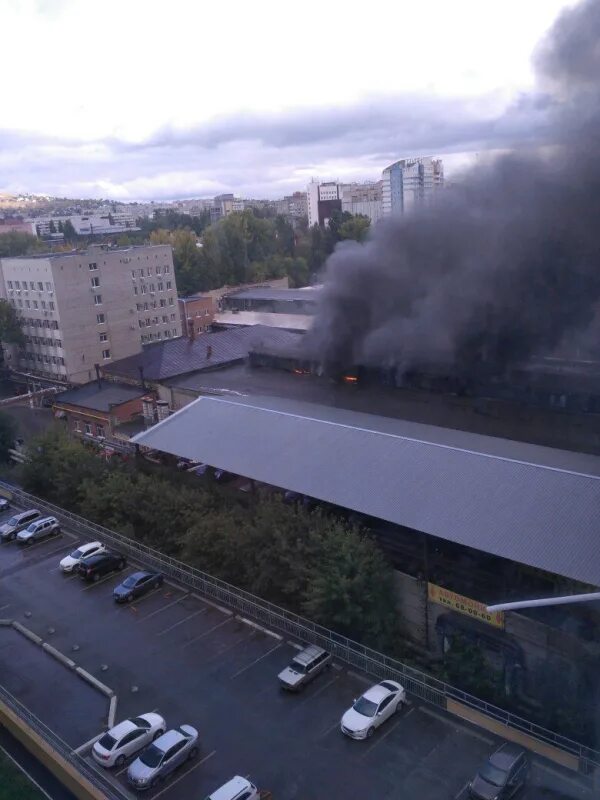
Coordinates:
<point>503,267</point>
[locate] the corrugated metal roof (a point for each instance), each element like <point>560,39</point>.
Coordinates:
<point>530,504</point>
<point>286,295</point>
<point>181,356</point>
<point>102,398</point>
<point>270,319</point>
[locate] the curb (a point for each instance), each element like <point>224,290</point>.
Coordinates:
<point>102,687</point>
<point>112,711</point>
<point>33,637</point>
<point>68,662</point>
<point>6,622</point>
<point>260,628</point>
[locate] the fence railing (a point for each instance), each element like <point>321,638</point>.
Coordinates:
<point>98,780</point>
<point>359,656</point>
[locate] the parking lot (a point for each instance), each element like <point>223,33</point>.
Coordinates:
<point>194,663</point>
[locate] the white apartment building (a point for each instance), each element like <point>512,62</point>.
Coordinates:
<point>410,182</point>
<point>85,224</point>
<point>363,198</point>
<point>322,200</point>
<point>90,307</point>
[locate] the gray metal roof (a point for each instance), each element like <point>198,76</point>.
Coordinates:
<point>99,398</point>
<point>286,295</point>
<point>531,504</point>
<point>181,356</point>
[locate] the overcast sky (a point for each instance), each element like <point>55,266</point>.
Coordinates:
<point>140,99</point>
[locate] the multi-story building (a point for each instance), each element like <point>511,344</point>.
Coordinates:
<point>293,206</point>
<point>410,182</point>
<point>99,224</point>
<point>196,312</point>
<point>363,198</point>
<point>89,307</point>
<point>223,205</point>
<point>322,200</point>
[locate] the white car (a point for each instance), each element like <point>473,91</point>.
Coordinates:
<point>372,709</point>
<point>69,562</point>
<point>127,738</point>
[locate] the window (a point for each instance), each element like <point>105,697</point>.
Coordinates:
<point>145,306</point>
<point>167,269</point>
<point>51,305</point>
<point>78,425</point>
<point>171,301</point>
<point>161,286</point>
<point>163,302</point>
<point>38,357</point>
<point>168,334</point>
<point>88,428</point>
<point>93,265</point>
<point>148,271</point>
<point>35,303</point>
<point>153,304</point>
<point>106,354</point>
<point>46,323</point>
<point>143,289</point>
<point>97,299</point>
<point>104,337</point>
<point>174,331</point>
<point>100,430</point>
<point>43,304</point>
<point>10,286</point>
<point>147,320</point>
<point>100,319</point>
<point>159,335</point>
<point>40,286</point>
<point>165,318</point>
<point>27,303</point>
<point>20,303</point>
<point>139,307</point>
<point>54,325</point>
<point>61,360</point>
<point>141,324</point>
<point>17,285</point>
<point>58,342</point>
<point>169,284</point>
<point>158,270</point>
<point>95,281</point>
<point>151,287</point>
<point>48,287</point>
<point>172,317</point>
<point>135,289</point>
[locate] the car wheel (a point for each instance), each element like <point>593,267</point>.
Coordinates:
<point>12,537</point>
<point>156,781</point>
<point>398,706</point>
<point>157,584</point>
<point>120,761</point>
<point>121,565</point>
<point>129,598</point>
<point>193,753</point>
<point>370,732</point>
<point>158,733</point>
<point>96,576</point>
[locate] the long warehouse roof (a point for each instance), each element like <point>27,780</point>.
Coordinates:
<point>527,503</point>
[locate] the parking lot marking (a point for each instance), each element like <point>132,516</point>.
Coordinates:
<point>3,607</point>
<point>27,548</point>
<point>163,608</point>
<point>181,621</point>
<point>462,792</point>
<point>256,660</point>
<point>300,703</point>
<point>93,585</point>
<point>89,744</point>
<point>381,738</point>
<point>129,607</point>
<point>182,776</point>
<point>210,630</point>
<point>328,731</point>
<point>559,774</point>
<point>453,721</point>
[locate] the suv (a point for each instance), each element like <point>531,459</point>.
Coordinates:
<point>39,529</point>
<point>502,775</point>
<point>94,567</point>
<point>236,789</point>
<point>304,667</point>
<point>16,523</point>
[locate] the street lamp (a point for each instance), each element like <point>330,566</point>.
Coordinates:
<point>546,601</point>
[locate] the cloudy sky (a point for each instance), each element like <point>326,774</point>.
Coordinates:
<point>140,99</point>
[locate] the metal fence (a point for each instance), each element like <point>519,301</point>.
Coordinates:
<point>363,658</point>
<point>98,780</point>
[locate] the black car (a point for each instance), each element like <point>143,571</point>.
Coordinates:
<point>136,585</point>
<point>94,567</point>
<point>502,775</point>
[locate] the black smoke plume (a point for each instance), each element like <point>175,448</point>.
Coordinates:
<point>502,267</point>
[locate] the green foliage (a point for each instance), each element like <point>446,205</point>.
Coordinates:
<point>14,785</point>
<point>356,228</point>
<point>7,436</point>
<point>19,244</point>
<point>465,666</point>
<point>69,231</point>
<point>10,326</point>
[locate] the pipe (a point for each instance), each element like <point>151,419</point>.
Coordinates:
<point>546,601</point>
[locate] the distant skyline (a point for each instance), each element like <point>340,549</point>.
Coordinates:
<point>141,101</point>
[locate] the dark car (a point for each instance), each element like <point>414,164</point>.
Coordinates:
<point>136,585</point>
<point>502,775</point>
<point>94,567</point>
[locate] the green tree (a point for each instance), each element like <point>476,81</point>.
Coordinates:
<point>69,231</point>
<point>52,226</point>
<point>15,243</point>
<point>10,325</point>
<point>356,228</point>
<point>7,436</point>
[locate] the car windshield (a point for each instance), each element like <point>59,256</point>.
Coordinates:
<point>365,707</point>
<point>152,756</point>
<point>32,526</point>
<point>298,667</point>
<point>76,553</point>
<point>493,775</point>
<point>140,722</point>
<point>13,521</point>
<point>130,582</point>
<point>107,741</point>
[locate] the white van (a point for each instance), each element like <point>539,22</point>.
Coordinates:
<point>236,789</point>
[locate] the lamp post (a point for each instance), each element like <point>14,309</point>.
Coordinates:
<point>546,601</point>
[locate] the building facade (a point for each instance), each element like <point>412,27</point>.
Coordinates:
<point>363,198</point>
<point>293,206</point>
<point>322,200</point>
<point>197,313</point>
<point>84,308</point>
<point>409,183</point>
<point>223,205</point>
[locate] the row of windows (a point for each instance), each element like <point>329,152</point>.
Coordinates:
<point>32,304</point>
<point>154,304</point>
<point>44,358</point>
<point>159,270</point>
<point>155,337</point>
<point>88,428</point>
<point>42,340</point>
<point>19,285</point>
<point>144,323</point>
<point>40,323</point>
<point>152,288</point>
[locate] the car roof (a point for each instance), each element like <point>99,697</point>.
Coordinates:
<point>122,728</point>
<point>230,789</point>
<point>45,519</point>
<point>137,575</point>
<point>88,546</point>
<point>376,693</point>
<point>93,559</point>
<point>168,739</point>
<point>308,654</point>
<point>506,755</point>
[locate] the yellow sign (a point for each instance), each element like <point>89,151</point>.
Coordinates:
<point>464,605</point>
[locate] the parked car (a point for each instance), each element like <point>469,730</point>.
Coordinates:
<point>39,529</point>
<point>502,775</point>
<point>70,562</point>
<point>136,585</point>
<point>94,567</point>
<point>372,709</point>
<point>18,522</point>
<point>163,756</point>
<point>305,666</point>
<point>236,789</point>
<point>127,738</point>
<point>4,504</point>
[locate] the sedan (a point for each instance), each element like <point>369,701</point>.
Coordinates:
<point>372,709</point>
<point>4,504</point>
<point>502,775</point>
<point>137,585</point>
<point>69,562</point>
<point>127,738</point>
<point>163,756</point>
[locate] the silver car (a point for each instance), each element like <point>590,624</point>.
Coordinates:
<point>163,756</point>
<point>38,530</point>
<point>18,522</point>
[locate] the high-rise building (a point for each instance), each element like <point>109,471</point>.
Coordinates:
<point>89,307</point>
<point>223,205</point>
<point>293,206</point>
<point>323,199</point>
<point>410,182</point>
<point>363,198</point>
